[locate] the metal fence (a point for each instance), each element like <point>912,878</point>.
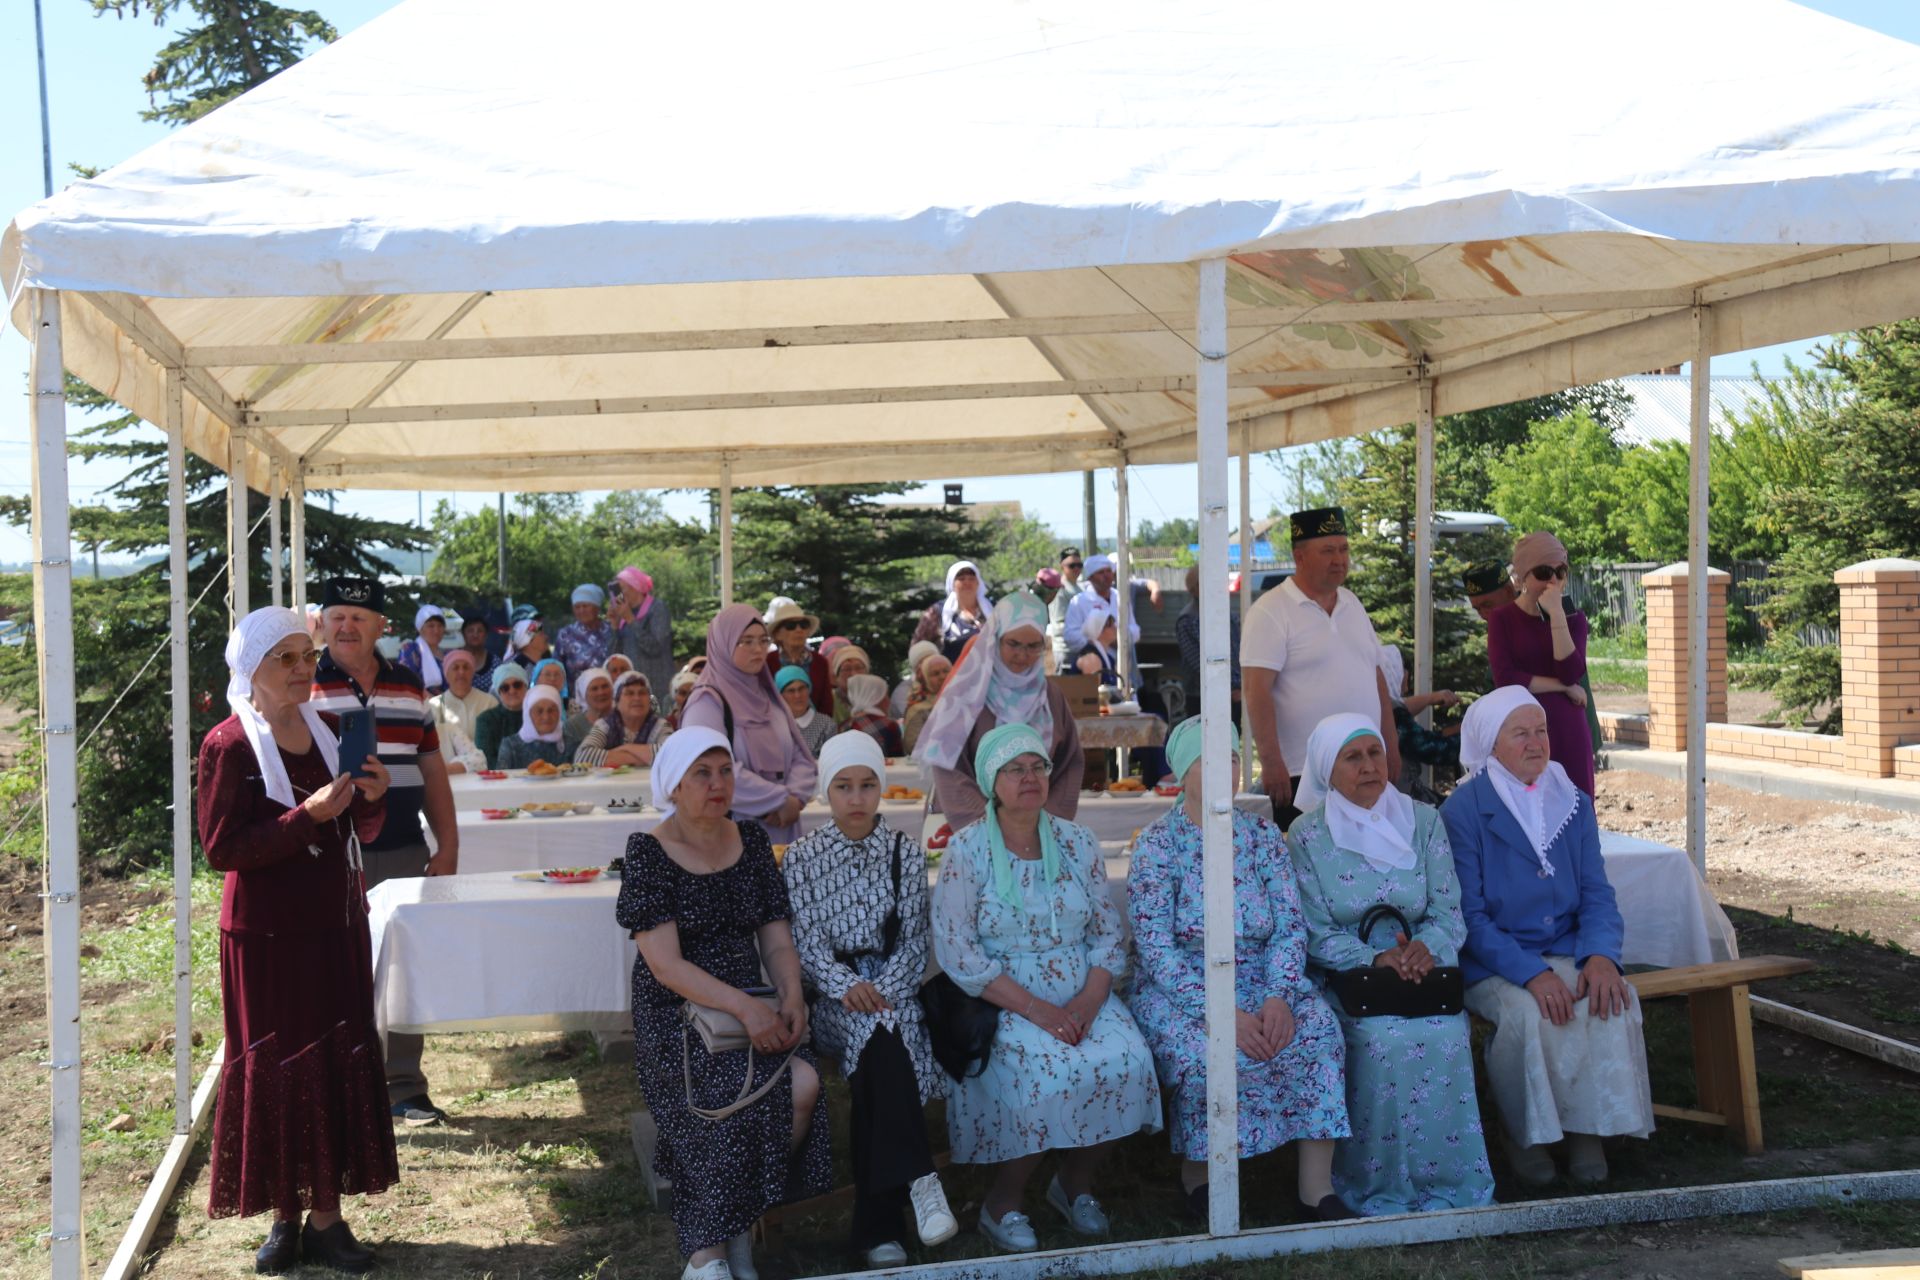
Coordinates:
<point>1614,598</point>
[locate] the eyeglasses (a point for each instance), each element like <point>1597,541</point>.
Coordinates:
<point>1547,572</point>
<point>510,686</point>
<point>1031,648</point>
<point>1037,769</point>
<point>290,659</point>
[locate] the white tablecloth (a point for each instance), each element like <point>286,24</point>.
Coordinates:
<point>470,792</point>
<point>488,952</point>
<point>528,844</point>
<point>491,953</point>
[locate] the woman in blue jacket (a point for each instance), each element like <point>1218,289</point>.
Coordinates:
<point>1542,955</point>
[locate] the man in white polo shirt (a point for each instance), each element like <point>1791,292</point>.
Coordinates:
<point>1307,651</point>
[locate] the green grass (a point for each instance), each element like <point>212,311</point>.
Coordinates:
<point>1607,673</point>
<point>1629,644</point>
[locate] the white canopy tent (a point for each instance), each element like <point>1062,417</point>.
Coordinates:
<point>639,246</point>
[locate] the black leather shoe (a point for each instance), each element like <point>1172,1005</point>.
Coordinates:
<point>1199,1204</point>
<point>418,1111</point>
<point>335,1247</point>
<point>281,1251</point>
<point>1330,1209</point>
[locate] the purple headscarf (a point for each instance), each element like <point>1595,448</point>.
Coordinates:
<point>761,722</point>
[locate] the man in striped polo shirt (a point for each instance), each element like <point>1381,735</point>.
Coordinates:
<point>352,676</point>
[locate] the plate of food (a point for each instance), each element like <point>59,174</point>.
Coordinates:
<point>1126,786</point>
<point>902,793</point>
<point>939,839</point>
<point>495,815</point>
<point>541,771</point>
<point>625,806</point>
<point>560,809</point>
<point>561,875</point>
<point>1167,789</point>
<point>613,770</point>
<point>576,771</point>
<point>491,775</point>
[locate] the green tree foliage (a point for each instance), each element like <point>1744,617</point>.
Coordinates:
<point>1179,533</point>
<point>232,46</point>
<point>861,564</point>
<point>1563,477</point>
<point>1466,445</point>
<point>1857,498</point>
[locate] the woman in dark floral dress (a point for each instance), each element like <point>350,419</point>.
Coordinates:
<point>704,899</point>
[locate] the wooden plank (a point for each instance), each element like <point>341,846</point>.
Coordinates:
<point>1895,1053</point>
<point>1721,973</point>
<point>1723,1062</point>
<point>1871,1264</point>
<point>1692,1117</point>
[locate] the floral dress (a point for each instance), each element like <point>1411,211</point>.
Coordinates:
<point>1038,1093</point>
<point>580,647</point>
<point>725,1173</point>
<point>1299,1092</point>
<point>841,891</point>
<point>1417,1139</point>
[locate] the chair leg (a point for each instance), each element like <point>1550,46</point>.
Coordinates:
<point>1723,1062</point>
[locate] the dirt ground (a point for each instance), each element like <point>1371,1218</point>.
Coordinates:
<point>535,1176</point>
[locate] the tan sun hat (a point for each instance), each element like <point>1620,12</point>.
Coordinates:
<point>780,609</point>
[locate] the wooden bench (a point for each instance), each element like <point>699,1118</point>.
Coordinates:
<point>1722,1038</point>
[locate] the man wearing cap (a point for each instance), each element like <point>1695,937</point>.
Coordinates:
<point>587,641</point>
<point>790,627</point>
<point>1488,587</point>
<point>352,676</point>
<point>1309,652</point>
<point>1071,585</point>
<point>1099,595</point>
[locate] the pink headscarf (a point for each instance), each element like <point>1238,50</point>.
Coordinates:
<point>762,724</point>
<point>642,585</point>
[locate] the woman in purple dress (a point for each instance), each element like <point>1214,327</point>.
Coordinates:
<point>1539,642</point>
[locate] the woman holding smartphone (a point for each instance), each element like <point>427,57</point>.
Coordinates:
<point>1539,642</point>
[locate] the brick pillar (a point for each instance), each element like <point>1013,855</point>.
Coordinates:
<point>1879,661</point>
<point>1667,654</point>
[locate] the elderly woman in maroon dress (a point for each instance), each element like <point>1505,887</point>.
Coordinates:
<point>302,1113</point>
<point>1539,642</point>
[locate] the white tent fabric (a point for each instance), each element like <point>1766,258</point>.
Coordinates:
<point>642,213</point>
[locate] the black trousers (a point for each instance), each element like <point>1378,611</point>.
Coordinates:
<point>889,1138</point>
<point>1286,813</point>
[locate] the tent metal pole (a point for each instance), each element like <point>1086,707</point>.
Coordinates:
<point>276,487</point>
<point>1123,599</point>
<point>237,523</point>
<point>726,532</point>
<point>1216,790</point>
<point>53,624</point>
<point>1701,444</point>
<point>1423,557</point>
<point>182,748</point>
<point>297,538</point>
<point>1246,579</point>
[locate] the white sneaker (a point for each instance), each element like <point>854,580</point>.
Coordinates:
<point>715,1270</point>
<point>889,1254</point>
<point>932,1218</point>
<point>1012,1234</point>
<point>740,1257</point>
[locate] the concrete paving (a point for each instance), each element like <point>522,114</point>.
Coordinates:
<point>1769,778</point>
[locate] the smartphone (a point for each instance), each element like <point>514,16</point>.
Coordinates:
<point>357,741</point>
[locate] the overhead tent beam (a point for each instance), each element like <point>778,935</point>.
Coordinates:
<point>610,406</point>
<point>254,355</point>
<point>60,815</point>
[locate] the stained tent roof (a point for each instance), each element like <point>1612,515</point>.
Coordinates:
<point>883,241</point>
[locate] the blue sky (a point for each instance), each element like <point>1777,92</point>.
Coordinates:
<point>95,65</point>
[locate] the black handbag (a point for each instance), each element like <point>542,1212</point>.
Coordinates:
<point>1376,991</point>
<point>961,1027</point>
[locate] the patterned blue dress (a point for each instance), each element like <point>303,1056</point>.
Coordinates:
<point>1417,1138</point>
<point>1299,1092</point>
<point>1038,1093</point>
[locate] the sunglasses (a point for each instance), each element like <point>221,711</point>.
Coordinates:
<point>509,686</point>
<point>1547,572</point>
<point>1074,564</point>
<point>295,658</point>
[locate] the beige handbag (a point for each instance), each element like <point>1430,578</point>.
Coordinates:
<point>721,1032</point>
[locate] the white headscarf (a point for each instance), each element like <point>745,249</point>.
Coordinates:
<point>522,632</point>
<point>983,682</point>
<point>429,660</point>
<point>677,754</point>
<point>848,751</point>
<point>247,648</point>
<point>1543,808</point>
<point>1383,835</point>
<point>951,606</point>
<point>866,693</point>
<point>1394,668</point>
<point>587,677</point>
<point>541,693</point>
<point>1095,623</point>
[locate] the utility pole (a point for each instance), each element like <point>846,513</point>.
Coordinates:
<point>46,124</point>
<point>1093,536</point>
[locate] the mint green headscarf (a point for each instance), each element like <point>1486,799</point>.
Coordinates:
<point>1000,747</point>
<point>1183,746</point>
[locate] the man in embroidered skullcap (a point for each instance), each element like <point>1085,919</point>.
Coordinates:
<point>1488,587</point>
<point>1307,652</point>
<point>352,676</point>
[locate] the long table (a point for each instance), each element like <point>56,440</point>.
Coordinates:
<point>598,788</point>
<point>527,843</point>
<point>490,952</point>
